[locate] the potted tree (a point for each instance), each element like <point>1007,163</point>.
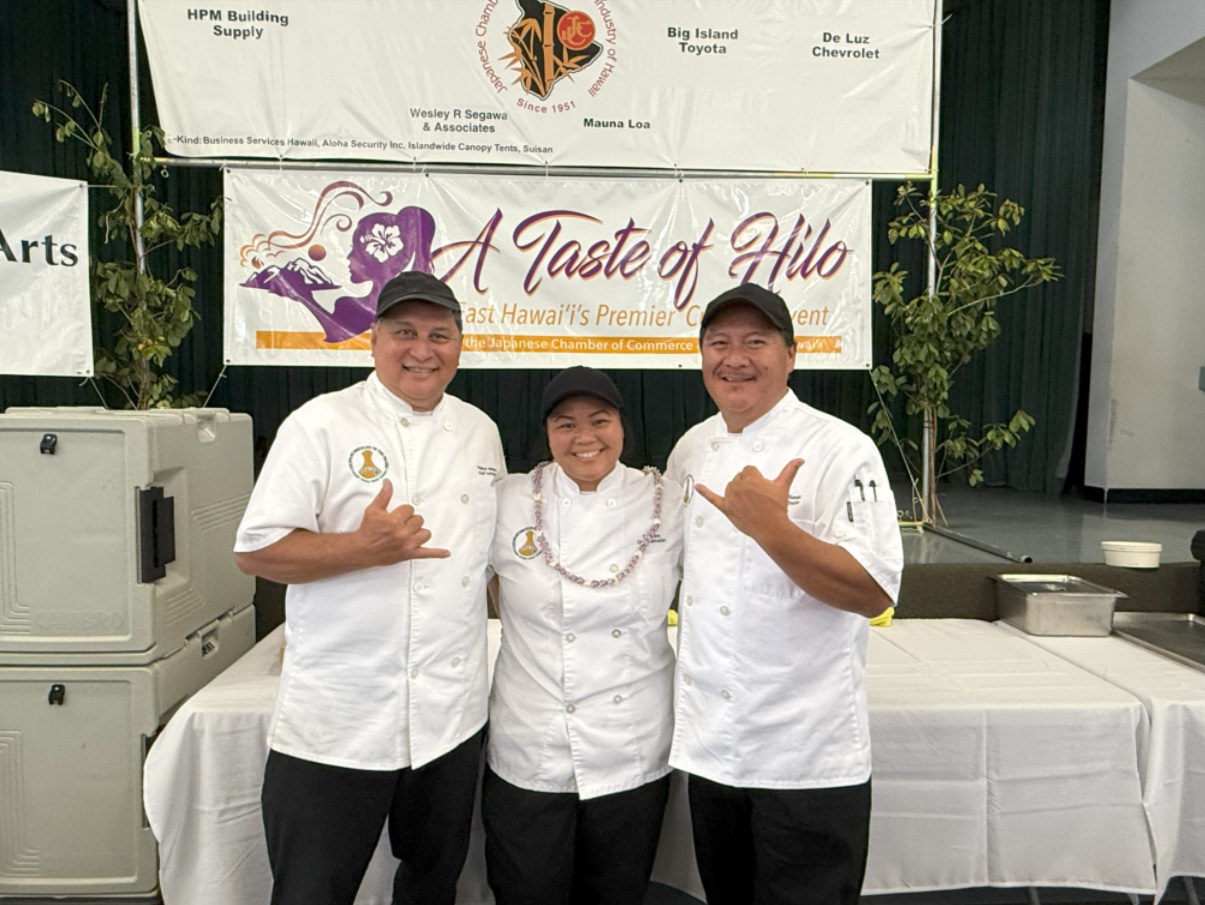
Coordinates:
<point>937,330</point>
<point>150,314</point>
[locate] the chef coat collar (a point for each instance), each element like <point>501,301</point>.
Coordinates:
<point>397,404</point>
<point>566,486</point>
<point>787,401</point>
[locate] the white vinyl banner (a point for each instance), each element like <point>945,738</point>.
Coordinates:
<point>45,309</point>
<point>805,86</point>
<point>550,271</point>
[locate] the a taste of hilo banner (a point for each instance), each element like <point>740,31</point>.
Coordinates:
<point>550,271</point>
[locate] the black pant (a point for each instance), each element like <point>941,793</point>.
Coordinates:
<point>780,846</point>
<point>552,848</point>
<point>323,823</point>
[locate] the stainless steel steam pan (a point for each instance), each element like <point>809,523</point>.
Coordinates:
<point>1056,604</point>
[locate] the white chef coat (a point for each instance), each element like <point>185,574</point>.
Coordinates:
<point>771,682</point>
<point>583,686</point>
<point>383,667</point>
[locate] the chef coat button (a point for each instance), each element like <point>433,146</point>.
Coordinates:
<point>611,504</point>
<point>571,637</point>
<point>614,567</point>
<point>724,610</point>
<point>758,446</point>
<point>726,695</point>
<point>464,498</point>
<point>455,661</point>
<point>419,588</point>
<point>699,520</point>
<point>570,708</point>
<point>715,444</point>
<point>466,581</point>
<point>617,699</point>
<point>565,504</point>
<point>414,673</point>
<point>615,633</point>
<point>418,498</point>
<point>690,601</point>
<point>447,425</point>
<point>405,422</point>
<point>687,680</point>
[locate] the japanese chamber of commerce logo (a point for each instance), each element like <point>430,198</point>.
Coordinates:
<point>548,43</point>
<point>368,463</point>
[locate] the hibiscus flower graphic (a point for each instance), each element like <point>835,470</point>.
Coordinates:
<point>383,242</point>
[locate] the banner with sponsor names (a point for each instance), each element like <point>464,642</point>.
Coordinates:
<point>550,271</point>
<point>813,86</point>
<point>45,306</point>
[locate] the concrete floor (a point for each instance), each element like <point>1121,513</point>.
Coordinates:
<point>1048,529</point>
<point>1179,892</point>
<point>664,895</point>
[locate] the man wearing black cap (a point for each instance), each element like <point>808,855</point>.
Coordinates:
<point>791,545</point>
<point>382,695</point>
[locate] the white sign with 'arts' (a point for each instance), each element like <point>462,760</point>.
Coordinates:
<point>45,312</point>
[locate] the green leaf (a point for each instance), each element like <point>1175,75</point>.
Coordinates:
<point>148,316</point>
<point>936,331</point>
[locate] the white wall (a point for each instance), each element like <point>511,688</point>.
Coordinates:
<point>1146,415</point>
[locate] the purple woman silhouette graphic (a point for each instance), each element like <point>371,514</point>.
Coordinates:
<point>382,246</point>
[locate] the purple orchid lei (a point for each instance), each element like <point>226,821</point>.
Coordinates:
<point>537,478</point>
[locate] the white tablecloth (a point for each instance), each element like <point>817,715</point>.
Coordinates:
<point>995,763</point>
<point>1173,764</point>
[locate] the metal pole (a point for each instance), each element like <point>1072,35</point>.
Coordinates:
<point>979,544</point>
<point>135,116</point>
<point>928,478</point>
<point>540,170</point>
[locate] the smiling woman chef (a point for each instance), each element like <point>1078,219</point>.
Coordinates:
<point>586,552</point>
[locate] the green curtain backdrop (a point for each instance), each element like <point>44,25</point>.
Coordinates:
<point>1021,112</point>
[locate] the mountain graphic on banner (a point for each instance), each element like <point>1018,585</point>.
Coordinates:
<point>297,280</point>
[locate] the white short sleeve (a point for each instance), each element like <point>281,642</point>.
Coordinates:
<point>290,490</point>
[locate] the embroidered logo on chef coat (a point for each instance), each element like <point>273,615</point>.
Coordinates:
<point>368,463</point>
<point>524,544</point>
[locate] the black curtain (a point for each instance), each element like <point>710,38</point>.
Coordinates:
<point>1021,112</point>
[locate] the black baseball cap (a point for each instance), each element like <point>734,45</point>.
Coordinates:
<point>579,381</point>
<point>768,303</point>
<point>414,285</point>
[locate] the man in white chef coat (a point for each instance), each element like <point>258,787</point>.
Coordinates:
<point>376,506</point>
<point>792,545</point>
